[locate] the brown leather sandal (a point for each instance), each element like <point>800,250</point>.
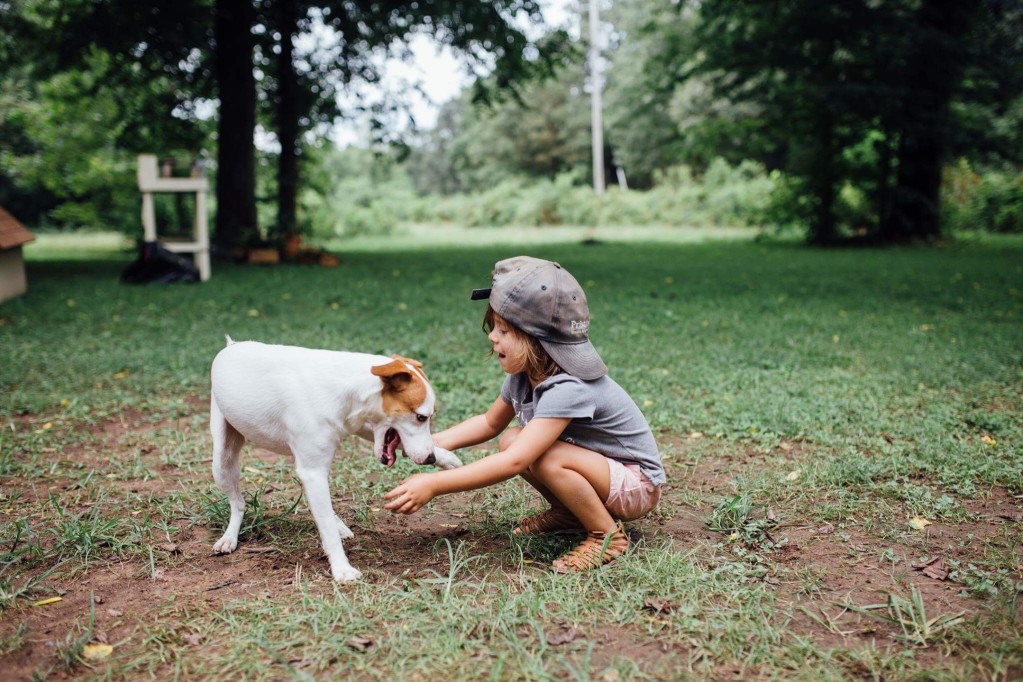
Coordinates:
<point>555,518</point>
<point>593,552</point>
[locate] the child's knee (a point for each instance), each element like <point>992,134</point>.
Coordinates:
<point>548,464</point>
<point>508,437</point>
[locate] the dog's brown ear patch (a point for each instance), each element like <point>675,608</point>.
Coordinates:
<point>404,390</point>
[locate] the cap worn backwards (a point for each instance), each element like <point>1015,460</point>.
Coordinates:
<point>544,300</point>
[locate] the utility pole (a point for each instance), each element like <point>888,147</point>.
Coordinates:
<point>595,116</point>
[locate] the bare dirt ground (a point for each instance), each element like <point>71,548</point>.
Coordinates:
<point>848,566</point>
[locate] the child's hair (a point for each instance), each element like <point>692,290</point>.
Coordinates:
<point>538,364</point>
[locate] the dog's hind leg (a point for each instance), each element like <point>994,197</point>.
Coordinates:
<point>227,470</point>
<point>312,466</point>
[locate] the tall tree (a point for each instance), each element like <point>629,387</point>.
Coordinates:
<point>484,32</point>
<point>191,44</point>
<point>810,68</point>
<point>90,86</point>
<point>288,114</point>
<point>925,82</point>
<point>860,91</point>
<point>236,220</point>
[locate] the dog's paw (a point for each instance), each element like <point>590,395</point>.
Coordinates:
<point>346,574</point>
<point>446,459</point>
<point>346,532</point>
<point>225,545</point>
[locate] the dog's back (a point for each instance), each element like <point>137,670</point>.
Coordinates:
<point>251,381</point>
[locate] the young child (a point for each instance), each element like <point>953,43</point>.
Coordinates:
<point>581,441</point>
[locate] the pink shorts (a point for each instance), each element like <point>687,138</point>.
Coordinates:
<point>632,495</point>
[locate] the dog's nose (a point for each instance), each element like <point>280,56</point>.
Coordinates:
<point>430,459</point>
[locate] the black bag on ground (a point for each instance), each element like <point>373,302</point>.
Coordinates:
<point>156,263</point>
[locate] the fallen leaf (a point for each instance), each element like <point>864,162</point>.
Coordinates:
<point>919,523</point>
<point>826,529</point>
<point>97,652</point>
<point>563,637</point>
<point>658,606</point>
<point>360,643</point>
<point>792,475</point>
<point>170,547</point>
<point>193,638</point>
<point>47,601</point>
<point>935,568</point>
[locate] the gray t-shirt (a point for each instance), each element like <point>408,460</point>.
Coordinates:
<point>604,418</point>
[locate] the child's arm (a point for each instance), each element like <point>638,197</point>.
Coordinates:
<point>534,440</point>
<point>478,429</point>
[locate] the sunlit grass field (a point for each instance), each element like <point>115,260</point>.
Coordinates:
<point>849,387</point>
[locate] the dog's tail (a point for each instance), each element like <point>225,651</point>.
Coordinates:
<point>230,341</point>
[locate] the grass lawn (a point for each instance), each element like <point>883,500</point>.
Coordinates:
<point>842,432</point>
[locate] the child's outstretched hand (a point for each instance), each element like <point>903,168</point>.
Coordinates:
<point>411,496</point>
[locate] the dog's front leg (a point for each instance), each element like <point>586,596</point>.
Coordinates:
<point>445,459</point>
<point>315,478</point>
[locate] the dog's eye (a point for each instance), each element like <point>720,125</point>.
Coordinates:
<point>422,418</point>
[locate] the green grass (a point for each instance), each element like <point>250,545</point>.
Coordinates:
<point>849,387</point>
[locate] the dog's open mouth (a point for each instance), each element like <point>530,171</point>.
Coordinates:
<point>392,441</point>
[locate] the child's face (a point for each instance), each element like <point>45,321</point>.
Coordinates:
<point>509,347</point>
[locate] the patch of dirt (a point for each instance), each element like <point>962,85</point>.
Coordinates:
<point>814,568</point>
<point>819,568</point>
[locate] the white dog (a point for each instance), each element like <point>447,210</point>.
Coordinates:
<point>303,402</point>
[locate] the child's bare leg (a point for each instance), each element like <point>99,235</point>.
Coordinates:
<point>579,479</point>
<point>507,438</point>
<point>554,519</point>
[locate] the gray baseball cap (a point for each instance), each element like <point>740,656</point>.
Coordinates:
<point>542,299</point>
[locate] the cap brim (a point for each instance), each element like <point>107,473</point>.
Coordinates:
<point>578,359</point>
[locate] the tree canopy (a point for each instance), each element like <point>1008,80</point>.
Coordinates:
<point>858,107</point>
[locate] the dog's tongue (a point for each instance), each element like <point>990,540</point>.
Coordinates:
<point>391,442</point>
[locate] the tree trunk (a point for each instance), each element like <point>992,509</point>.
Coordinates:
<point>236,220</point>
<point>915,199</point>
<point>823,226</point>
<point>287,120</point>
<point>933,67</point>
